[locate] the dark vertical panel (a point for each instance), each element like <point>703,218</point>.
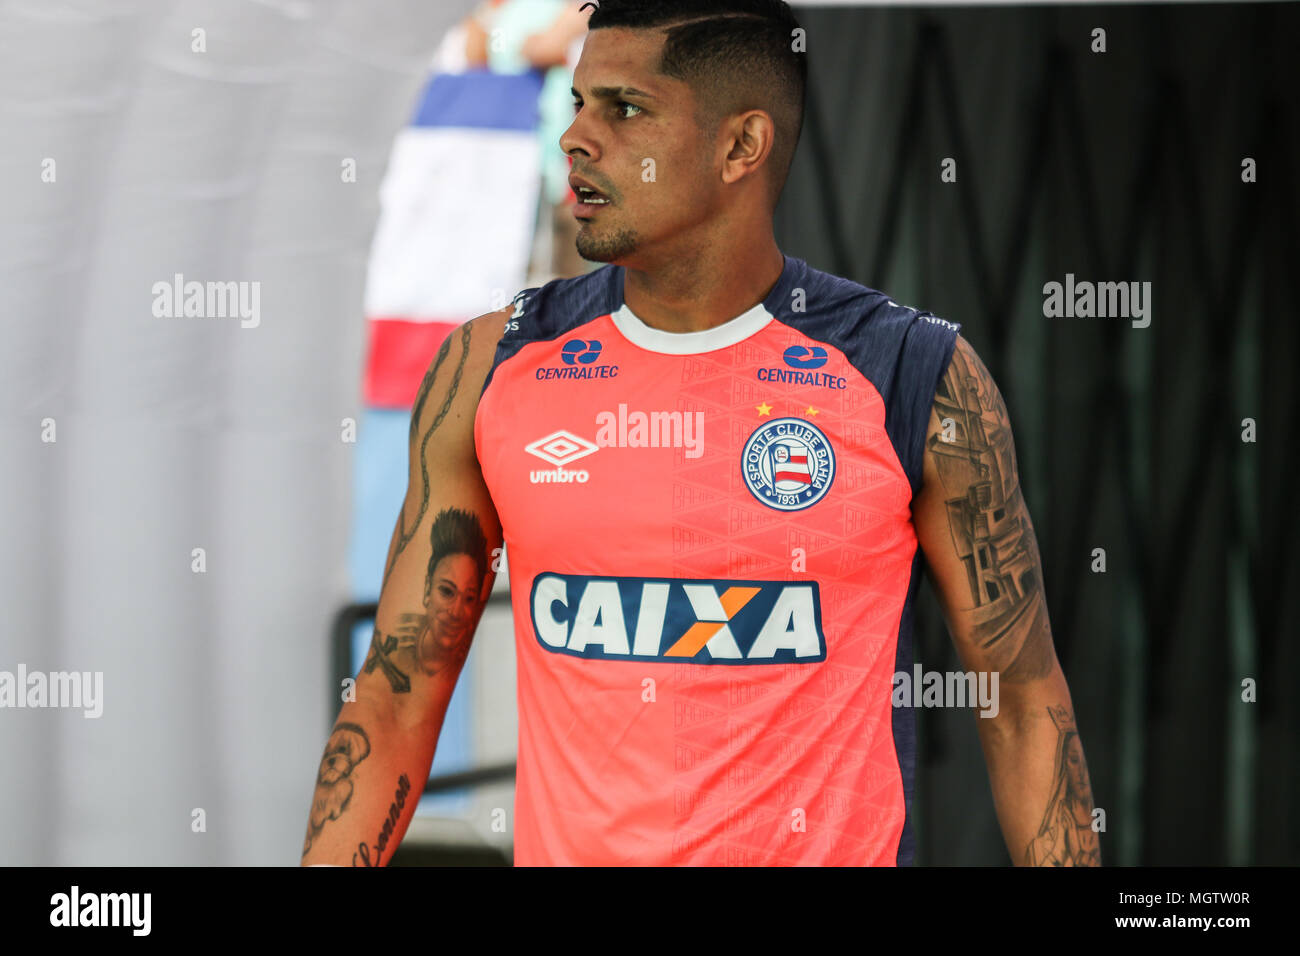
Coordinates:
<point>1122,166</point>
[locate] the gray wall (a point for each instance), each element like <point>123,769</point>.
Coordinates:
<point>183,433</point>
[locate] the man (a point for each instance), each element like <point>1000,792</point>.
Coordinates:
<point>716,470</point>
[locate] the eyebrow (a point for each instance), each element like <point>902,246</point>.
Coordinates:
<point>614,92</point>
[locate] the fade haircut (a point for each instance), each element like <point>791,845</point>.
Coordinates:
<point>736,55</point>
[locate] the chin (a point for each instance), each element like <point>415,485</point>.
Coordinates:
<point>611,247</point>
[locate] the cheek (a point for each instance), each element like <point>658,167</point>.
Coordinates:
<point>456,607</point>
<point>660,162</point>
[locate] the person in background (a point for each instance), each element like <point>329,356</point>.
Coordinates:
<point>475,28</point>
<point>558,47</point>
<point>545,35</point>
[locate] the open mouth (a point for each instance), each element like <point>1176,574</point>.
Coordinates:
<point>589,197</point>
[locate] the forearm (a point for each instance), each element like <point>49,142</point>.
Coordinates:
<point>437,576</point>
<point>1041,787</point>
<point>370,779</point>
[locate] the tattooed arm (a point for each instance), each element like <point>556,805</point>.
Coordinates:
<point>437,576</point>
<point>979,545</point>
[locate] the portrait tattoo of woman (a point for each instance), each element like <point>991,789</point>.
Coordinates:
<point>438,640</point>
<point>453,591</point>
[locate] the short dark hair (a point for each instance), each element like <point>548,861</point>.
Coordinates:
<point>736,54</point>
<point>457,532</point>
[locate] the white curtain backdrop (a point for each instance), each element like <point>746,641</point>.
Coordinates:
<point>172,433</point>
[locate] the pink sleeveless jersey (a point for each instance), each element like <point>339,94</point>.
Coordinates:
<point>712,568</point>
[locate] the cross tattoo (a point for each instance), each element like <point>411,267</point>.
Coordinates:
<point>379,657</point>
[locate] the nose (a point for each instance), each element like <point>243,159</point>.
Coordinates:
<point>460,607</point>
<point>578,139</point>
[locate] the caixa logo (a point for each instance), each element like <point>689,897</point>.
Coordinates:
<point>678,619</point>
<point>581,358</point>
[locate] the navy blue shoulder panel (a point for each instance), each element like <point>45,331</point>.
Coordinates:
<point>549,311</point>
<point>903,352</point>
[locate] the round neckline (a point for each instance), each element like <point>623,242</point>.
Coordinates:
<point>725,334</point>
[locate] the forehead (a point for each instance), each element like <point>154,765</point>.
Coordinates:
<point>614,57</point>
<point>452,564</point>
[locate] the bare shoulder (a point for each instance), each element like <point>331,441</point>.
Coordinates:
<point>447,401</point>
<point>969,439</point>
<point>456,374</point>
<point>485,332</point>
<point>476,342</point>
<point>966,359</point>
<point>966,395</point>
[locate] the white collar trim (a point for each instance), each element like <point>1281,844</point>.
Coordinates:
<point>690,343</point>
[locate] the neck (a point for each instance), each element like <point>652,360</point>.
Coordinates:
<point>703,289</point>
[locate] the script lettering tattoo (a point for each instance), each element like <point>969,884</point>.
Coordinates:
<point>406,531</point>
<point>973,450</point>
<point>346,748</point>
<point>1066,837</point>
<point>364,850</point>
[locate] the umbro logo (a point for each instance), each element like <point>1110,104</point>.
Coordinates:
<point>559,449</point>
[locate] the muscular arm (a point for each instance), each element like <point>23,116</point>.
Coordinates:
<point>437,576</point>
<point>979,545</point>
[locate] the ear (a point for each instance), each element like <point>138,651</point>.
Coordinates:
<point>748,138</point>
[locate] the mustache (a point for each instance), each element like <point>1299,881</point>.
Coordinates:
<point>597,181</point>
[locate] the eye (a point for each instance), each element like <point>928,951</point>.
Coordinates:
<point>622,103</point>
<point>577,105</point>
